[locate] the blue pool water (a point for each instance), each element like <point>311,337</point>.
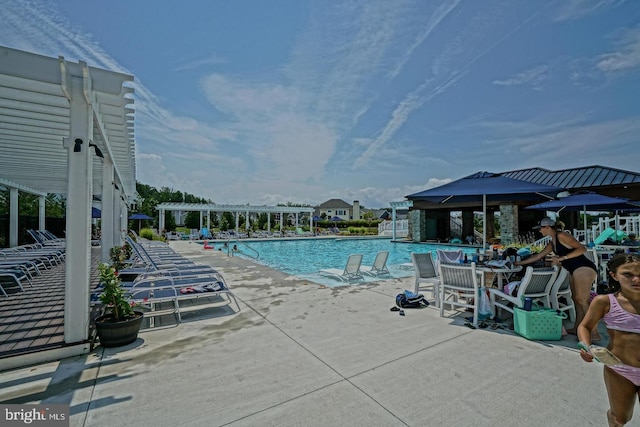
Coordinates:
<point>305,257</point>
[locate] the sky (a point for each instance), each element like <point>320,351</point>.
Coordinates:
<point>301,101</point>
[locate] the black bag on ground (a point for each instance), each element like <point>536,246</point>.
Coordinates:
<point>408,299</point>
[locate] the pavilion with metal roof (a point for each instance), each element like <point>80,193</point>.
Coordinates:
<point>432,218</point>
<point>67,128</point>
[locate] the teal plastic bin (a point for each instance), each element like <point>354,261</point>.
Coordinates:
<point>539,323</point>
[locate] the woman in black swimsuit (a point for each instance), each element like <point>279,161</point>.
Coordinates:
<point>570,254</point>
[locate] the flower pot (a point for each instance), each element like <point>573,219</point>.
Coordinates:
<point>115,334</point>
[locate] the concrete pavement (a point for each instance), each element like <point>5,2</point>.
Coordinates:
<point>300,354</point>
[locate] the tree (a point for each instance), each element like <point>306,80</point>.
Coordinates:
<point>192,220</point>
<point>169,222</point>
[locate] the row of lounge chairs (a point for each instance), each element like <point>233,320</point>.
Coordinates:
<point>20,264</point>
<point>161,282</point>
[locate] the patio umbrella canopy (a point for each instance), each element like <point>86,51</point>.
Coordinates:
<point>585,201</point>
<point>139,216</point>
<point>486,187</point>
<point>96,213</point>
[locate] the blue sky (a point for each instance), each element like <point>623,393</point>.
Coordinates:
<point>267,102</point>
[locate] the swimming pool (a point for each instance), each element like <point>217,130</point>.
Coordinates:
<point>305,257</point>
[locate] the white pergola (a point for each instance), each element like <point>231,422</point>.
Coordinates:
<point>56,118</point>
<point>207,208</point>
<point>404,204</point>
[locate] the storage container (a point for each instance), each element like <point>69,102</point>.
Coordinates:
<point>539,323</point>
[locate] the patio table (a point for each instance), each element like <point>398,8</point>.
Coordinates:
<point>502,273</point>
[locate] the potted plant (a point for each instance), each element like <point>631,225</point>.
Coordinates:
<point>120,324</point>
<point>120,256</point>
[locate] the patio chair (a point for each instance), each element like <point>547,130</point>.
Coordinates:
<point>351,270</point>
<point>561,289</point>
<point>426,273</point>
<point>592,254</point>
<point>379,267</point>
<point>460,287</point>
<point>536,284</point>
<point>451,257</point>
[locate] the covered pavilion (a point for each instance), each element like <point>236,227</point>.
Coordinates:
<point>430,219</point>
<point>67,128</point>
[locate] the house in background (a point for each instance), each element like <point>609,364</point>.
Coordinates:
<point>339,208</point>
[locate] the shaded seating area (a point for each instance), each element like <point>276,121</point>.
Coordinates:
<point>21,264</point>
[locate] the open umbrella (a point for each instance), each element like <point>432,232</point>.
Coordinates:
<point>483,187</point>
<point>96,213</point>
<point>139,216</point>
<point>587,201</point>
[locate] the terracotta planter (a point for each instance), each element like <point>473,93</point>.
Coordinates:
<point>115,334</point>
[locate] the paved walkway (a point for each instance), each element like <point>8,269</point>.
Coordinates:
<point>302,354</point>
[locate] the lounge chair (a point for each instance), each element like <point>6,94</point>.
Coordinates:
<point>301,232</point>
<point>351,270</point>
<point>379,267</point>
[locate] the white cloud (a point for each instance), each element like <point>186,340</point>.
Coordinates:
<point>577,9</point>
<point>533,77</point>
<point>626,57</point>
<point>213,59</point>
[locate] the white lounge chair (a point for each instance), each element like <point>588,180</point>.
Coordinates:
<point>379,267</point>
<point>351,271</point>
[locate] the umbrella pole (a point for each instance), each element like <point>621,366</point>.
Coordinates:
<point>586,241</point>
<point>484,223</point>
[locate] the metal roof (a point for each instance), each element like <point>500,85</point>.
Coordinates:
<point>594,178</point>
<point>35,119</point>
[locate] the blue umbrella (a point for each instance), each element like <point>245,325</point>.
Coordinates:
<point>588,200</point>
<point>139,216</point>
<point>96,213</point>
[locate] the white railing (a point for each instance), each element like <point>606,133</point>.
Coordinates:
<point>627,224</point>
<point>385,228</point>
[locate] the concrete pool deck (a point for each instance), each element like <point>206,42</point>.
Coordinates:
<point>299,353</point>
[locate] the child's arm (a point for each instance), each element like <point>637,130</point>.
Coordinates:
<point>597,309</point>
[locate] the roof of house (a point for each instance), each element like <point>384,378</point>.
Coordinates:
<point>335,204</point>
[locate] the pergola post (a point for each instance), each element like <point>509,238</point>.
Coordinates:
<point>78,231</point>
<point>107,216</point>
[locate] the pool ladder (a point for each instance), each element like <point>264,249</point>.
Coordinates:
<point>253,253</point>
